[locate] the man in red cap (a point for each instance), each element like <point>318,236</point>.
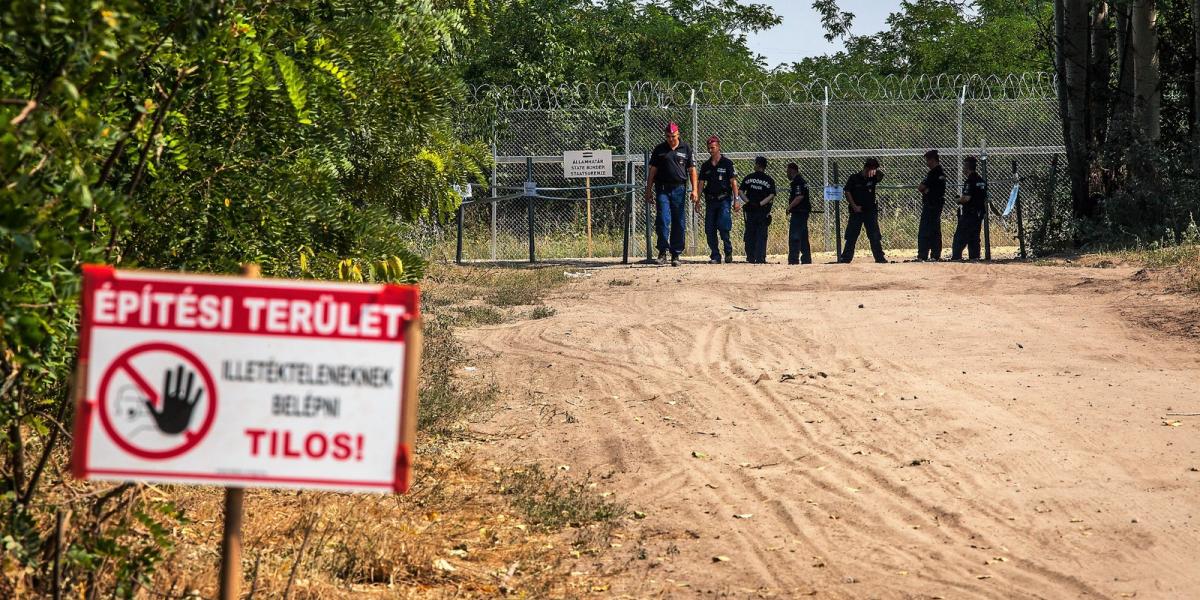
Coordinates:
<point>720,188</point>
<point>671,168</point>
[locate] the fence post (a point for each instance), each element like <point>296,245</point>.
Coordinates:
<point>495,180</point>
<point>458,218</point>
<point>987,204</point>
<point>628,213</point>
<point>837,218</point>
<point>649,250</point>
<point>695,143</point>
<point>829,233</point>
<point>529,200</point>
<point>1020,217</point>
<point>628,181</point>
<point>1048,207</point>
<point>958,172</point>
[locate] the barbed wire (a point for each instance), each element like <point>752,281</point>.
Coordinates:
<point>772,90</point>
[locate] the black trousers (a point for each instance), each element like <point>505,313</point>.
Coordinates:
<point>929,236</point>
<point>798,248</point>
<point>755,236</point>
<point>869,219</point>
<point>966,235</point>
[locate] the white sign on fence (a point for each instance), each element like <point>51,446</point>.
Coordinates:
<point>578,164</point>
<point>464,191</point>
<point>246,382</point>
<point>833,193</point>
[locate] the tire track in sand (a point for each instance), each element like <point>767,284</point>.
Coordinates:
<point>655,373</point>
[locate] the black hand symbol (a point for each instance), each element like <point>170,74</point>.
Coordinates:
<point>177,401</point>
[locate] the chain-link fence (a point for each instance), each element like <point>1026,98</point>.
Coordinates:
<point>827,128</point>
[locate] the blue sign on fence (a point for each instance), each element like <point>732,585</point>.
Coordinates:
<point>1012,199</point>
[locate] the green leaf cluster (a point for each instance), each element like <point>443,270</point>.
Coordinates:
<point>313,138</point>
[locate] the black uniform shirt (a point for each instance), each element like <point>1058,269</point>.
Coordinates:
<point>718,178</point>
<point>862,189</point>
<point>975,189</point>
<point>672,165</point>
<point>757,186</point>
<point>935,187</point>
<point>800,188</point>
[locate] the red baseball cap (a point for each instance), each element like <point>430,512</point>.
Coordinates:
<point>671,128</point>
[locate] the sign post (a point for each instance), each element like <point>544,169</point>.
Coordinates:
<point>837,217</point>
<point>587,164</point>
<point>246,382</point>
<point>587,187</point>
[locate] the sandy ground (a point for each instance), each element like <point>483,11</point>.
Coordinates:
<point>867,431</point>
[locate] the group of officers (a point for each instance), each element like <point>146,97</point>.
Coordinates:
<point>672,167</point>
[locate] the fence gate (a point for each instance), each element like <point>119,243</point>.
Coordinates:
<point>827,128</point>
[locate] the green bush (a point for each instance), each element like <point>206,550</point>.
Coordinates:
<point>307,137</point>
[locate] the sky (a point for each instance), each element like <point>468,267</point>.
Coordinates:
<point>800,34</point>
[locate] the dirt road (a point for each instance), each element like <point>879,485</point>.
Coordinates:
<point>891,431</point>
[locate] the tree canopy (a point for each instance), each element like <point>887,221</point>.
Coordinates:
<point>933,37</point>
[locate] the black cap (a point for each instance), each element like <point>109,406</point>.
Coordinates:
<point>871,163</point>
<point>760,161</point>
<point>793,167</point>
<point>971,161</point>
<point>933,154</point>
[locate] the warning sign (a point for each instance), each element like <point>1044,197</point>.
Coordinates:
<point>246,382</point>
<point>578,164</point>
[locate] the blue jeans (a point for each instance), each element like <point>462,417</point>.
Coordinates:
<point>671,221</point>
<point>718,218</point>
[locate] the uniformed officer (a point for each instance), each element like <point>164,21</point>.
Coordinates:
<point>972,203</point>
<point>720,188</point>
<point>671,167</point>
<point>933,200</point>
<point>760,192</point>
<point>799,209</point>
<point>864,211</point>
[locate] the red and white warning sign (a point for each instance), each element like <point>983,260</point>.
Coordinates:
<point>246,382</point>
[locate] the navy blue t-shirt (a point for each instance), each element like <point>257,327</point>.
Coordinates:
<point>672,164</point>
<point>935,187</point>
<point>862,188</point>
<point>757,186</point>
<point>975,189</point>
<point>718,179</point>
<point>800,188</point>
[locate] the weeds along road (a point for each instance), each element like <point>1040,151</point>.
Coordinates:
<point>904,430</point>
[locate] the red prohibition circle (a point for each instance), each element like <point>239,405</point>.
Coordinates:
<point>190,438</point>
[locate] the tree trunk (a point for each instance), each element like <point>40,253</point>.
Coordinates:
<point>1196,84</point>
<point>1124,101</point>
<point>1146,74</point>
<point>1072,18</point>
<point>1100,75</point>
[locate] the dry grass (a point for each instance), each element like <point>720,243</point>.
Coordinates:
<point>1176,267</point>
<point>466,530</point>
<point>500,287</point>
<point>1165,285</point>
<point>460,533</point>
